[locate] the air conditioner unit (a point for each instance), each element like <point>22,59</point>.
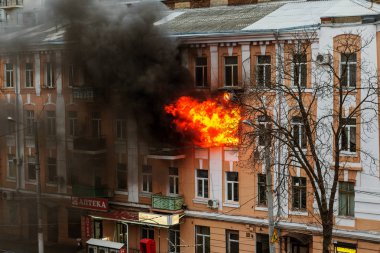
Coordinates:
<point>7,195</point>
<point>323,59</point>
<point>213,203</point>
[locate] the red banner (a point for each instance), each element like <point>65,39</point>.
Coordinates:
<point>87,226</point>
<point>90,203</point>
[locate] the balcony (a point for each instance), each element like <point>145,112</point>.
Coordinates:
<point>90,191</point>
<point>9,4</point>
<point>167,203</point>
<point>89,145</point>
<point>83,93</point>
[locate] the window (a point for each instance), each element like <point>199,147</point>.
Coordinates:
<point>174,240</point>
<point>121,170</point>
<point>147,179</point>
<point>73,123</point>
<point>299,133</point>
<point>230,71</point>
<point>346,199</point>
<point>29,75</point>
<point>9,75</point>
<point>147,232</point>
<point>121,129</point>
<point>299,193</point>
<point>262,243</point>
<point>173,181</point>
<point>348,135</point>
<point>122,232</point>
<point>52,169</point>
<point>299,70</point>
<point>348,70</point>
<point>11,166</point>
<point>201,72</point>
<point>202,239</point>
<point>31,168</point>
<point>29,123</point>
<point>50,123</point>
<point>71,75</point>
<point>263,71</point>
<point>263,125</point>
<point>232,181</point>
<point>202,184</point>
<point>232,241</point>
<point>98,229</point>
<point>49,75</point>
<point>261,189</point>
<point>96,124</point>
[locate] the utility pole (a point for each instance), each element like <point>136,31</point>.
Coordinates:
<point>268,176</point>
<point>38,181</point>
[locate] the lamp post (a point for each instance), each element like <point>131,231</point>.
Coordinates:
<point>38,184</point>
<point>268,182</point>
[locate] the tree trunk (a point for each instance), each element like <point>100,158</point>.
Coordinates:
<point>327,235</point>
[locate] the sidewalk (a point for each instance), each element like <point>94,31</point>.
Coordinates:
<point>31,247</point>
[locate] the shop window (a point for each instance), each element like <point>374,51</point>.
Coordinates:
<point>230,71</point>
<point>174,240</point>
<point>31,168</point>
<point>9,78</point>
<point>348,135</point>
<point>202,183</point>
<point>299,193</point>
<point>29,81</point>
<point>201,72</point>
<point>346,199</point>
<point>232,241</point>
<point>98,229</point>
<point>173,181</point>
<point>232,182</point>
<point>122,179</point>
<point>147,232</point>
<point>261,190</point>
<point>122,232</point>
<point>299,70</point>
<point>348,70</point>
<point>147,179</point>
<point>263,71</point>
<point>202,239</point>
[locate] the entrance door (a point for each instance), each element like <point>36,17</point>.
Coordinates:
<point>297,248</point>
<point>52,219</point>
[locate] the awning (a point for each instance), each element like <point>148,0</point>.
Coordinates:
<point>105,244</point>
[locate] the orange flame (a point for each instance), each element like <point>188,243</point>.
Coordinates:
<point>211,122</point>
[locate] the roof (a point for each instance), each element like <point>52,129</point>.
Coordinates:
<point>218,19</point>
<point>104,243</point>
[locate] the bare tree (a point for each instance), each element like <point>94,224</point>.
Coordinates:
<point>317,110</point>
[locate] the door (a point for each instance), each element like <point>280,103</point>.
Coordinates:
<point>52,219</point>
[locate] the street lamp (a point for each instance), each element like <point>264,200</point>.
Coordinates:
<point>268,182</point>
<point>38,181</point>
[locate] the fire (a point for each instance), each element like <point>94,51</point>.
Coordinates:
<point>211,122</point>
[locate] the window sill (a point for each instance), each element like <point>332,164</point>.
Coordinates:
<point>121,192</point>
<point>51,184</point>
<point>346,221</point>
<point>200,201</point>
<point>11,179</point>
<point>347,153</point>
<point>298,212</point>
<point>231,204</point>
<point>145,194</point>
<point>261,208</point>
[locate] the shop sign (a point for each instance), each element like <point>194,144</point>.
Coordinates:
<point>87,225</point>
<point>345,250</point>
<point>159,219</point>
<point>97,204</point>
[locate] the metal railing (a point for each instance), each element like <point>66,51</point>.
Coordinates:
<point>169,203</point>
<point>11,3</point>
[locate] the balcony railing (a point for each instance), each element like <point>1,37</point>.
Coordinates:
<point>89,144</point>
<point>11,4</point>
<point>90,191</point>
<point>84,93</point>
<point>168,203</point>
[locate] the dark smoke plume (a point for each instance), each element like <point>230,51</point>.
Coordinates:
<point>118,47</point>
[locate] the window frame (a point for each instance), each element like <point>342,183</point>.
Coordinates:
<point>233,196</point>
<point>11,166</point>
<point>203,68</point>
<point>229,240</point>
<point>121,172</point>
<point>30,121</point>
<point>263,122</point>
<point>49,75</point>
<point>265,71</point>
<point>299,193</point>
<point>234,71</point>
<point>96,124</point>
<point>147,179</point>
<point>9,75</point>
<point>349,195</point>
<point>51,165</point>
<point>299,67</point>
<point>32,168</point>
<point>29,75</point>
<point>348,130</point>
<point>72,117</point>
<point>173,181</point>
<point>262,189</point>
<point>203,232</point>
<point>346,65</point>
<point>174,247</point>
<point>51,128</point>
<point>149,231</point>
<point>201,179</point>
<point>121,129</point>
<point>300,138</point>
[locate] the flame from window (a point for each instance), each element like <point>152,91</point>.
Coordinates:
<point>211,123</point>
